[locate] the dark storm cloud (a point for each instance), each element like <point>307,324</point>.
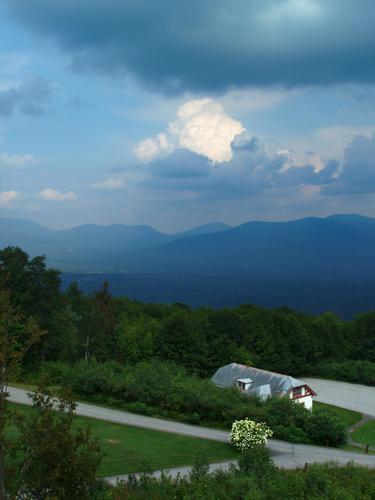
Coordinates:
<point>28,98</point>
<point>212,45</point>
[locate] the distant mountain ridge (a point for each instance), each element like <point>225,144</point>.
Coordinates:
<point>89,247</point>
<point>341,242</point>
<point>300,246</point>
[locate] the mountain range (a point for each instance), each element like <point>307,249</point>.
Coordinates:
<point>92,247</point>
<point>335,242</point>
<point>211,264</point>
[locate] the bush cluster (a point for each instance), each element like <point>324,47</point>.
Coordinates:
<point>247,434</point>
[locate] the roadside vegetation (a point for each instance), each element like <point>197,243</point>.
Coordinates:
<point>255,478</point>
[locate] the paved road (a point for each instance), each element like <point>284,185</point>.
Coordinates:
<point>352,396</point>
<point>284,454</point>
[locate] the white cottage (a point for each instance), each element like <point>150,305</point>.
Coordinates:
<point>262,383</point>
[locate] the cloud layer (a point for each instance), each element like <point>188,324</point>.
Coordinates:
<point>253,171</point>
<point>212,46</point>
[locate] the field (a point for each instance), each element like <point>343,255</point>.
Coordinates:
<point>131,449</point>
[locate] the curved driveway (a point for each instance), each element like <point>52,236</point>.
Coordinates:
<point>284,454</point>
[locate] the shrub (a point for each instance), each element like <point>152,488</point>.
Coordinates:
<point>257,462</point>
<point>291,433</point>
<point>88,379</point>
<point>247,434</point>
<point>140,408</point>
<point>54,372</point>
<point>325,429</point>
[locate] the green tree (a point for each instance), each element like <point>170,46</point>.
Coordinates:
<point>33,290</point>
<point>180,340</point>
<point>33,287</point>
<point>100,339</point>
<point>59,459</point>
<point>135,339</point>
<point>17,336</point>
<point>364,338</point>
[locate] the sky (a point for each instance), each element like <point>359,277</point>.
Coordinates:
<point>176,114</point>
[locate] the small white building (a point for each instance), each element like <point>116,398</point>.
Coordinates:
<point>262,383</point>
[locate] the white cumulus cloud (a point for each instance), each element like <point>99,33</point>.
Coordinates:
<point>55,195</point>
<point>108,184</point>
<point>202,126</point>
<point>6,197</point>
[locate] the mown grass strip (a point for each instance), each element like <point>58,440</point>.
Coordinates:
<point>131,449</point>
<point>365,434</point>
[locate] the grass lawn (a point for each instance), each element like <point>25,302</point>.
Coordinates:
<point>347,417</point>
<point>132,449</point>
<point>365,434</point>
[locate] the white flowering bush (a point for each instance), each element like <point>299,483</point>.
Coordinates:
<point>247,434</point>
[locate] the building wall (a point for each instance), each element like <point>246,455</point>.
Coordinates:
<point>307,401</point>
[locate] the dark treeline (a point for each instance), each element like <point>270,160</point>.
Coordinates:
<point>102,328</point>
